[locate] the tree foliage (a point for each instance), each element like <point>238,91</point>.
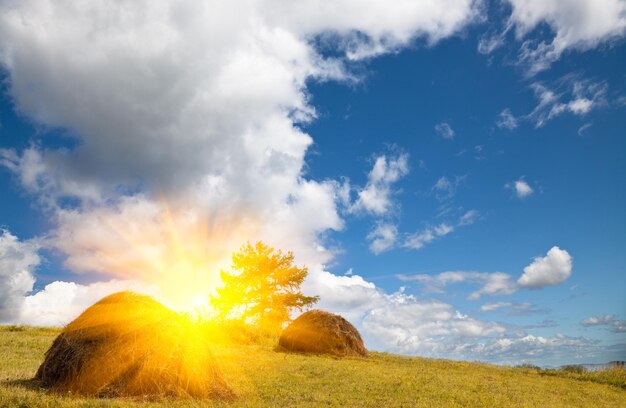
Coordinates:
<point>262,287</point>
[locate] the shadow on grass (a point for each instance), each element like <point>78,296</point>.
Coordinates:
<point>29,384</point>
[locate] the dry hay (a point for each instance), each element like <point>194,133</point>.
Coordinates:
<point>131,345</point>
<point>320,332</point>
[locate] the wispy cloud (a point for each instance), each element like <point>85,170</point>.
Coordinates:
<point>495,283</point>
<point>490,42</point>
<point>514,309</point>
<point>445,188</point>
<point>608,321</point>
<point>506,120</point>
<point>577,97</point>
<point>445,131</point>
<point>583,129</point>
<point>546,323</point>
<point>469,218</point>
<point>570,94</point>
<point>419,239</point>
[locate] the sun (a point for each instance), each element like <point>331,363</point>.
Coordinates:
<point>179,252</point>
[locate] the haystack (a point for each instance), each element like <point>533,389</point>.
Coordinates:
<point>321,332</point>
<point>131,345</point>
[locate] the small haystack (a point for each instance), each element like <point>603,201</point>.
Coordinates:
<point>320,332</point>
<point>131,345</point>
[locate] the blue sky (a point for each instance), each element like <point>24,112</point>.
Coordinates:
<point>392,155</point>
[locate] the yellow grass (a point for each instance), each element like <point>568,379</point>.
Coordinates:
<point>262,377</point>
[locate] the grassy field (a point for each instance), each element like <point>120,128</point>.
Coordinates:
<point>262,377</point>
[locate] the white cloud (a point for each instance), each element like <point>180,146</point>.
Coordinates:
<point>398,322</point>
<point>18,259</point>
<point>583,129</point>
<point>444,130</point>
<point>410,326</point>
<point>375,197</point>
<point>577,24</point>
<point>489,43</point>
<point>342,191</point>
<point>552,269</point>
<point>61,302</point>
<point>491,283</point>
<point>388,26</point>
<point>530,348</point>
<point>445,188</point>
<point>213,89</point>
<point>521,188</point>
<point>546,323</point>
<point>351,296</point>
<point>577,97</point>
<point>515,309</point>
<point>56,304</point>
<point>382,237</point>
<point>506,120</point>
<point>496,283</point>
<point>403,324</point>
<point>385,235</point>
<point>597,320</point>
<point>490,307</point>
<point>443,229</point>
<point>618,326</point>
<point>570,94</point>
<point>609,321</point>
<point>419,239</point>
<point>469,217</point>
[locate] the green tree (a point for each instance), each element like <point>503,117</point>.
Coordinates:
<point>262,287</point>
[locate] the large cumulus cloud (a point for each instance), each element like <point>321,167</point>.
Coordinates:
<point>183,122</point>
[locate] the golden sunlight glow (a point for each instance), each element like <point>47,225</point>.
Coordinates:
<point>177,250</point>
<point>130,345</point>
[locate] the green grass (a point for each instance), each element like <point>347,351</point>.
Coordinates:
<point>262,377</point>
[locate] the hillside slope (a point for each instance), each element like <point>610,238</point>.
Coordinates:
<point>262,377</point>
